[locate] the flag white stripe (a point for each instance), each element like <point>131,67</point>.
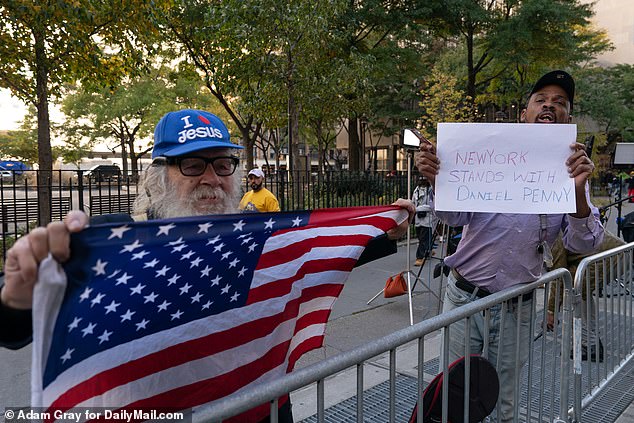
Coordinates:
<point>398,216</point>
<point>284,240</point>
<point>289,269</point>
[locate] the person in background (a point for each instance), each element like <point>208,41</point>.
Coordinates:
<point>259,199</point>
<point>502,250</point>
<point>630,187</point>
<point>425,221</point>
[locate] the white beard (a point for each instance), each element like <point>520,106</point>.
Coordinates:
<point>172,206</point>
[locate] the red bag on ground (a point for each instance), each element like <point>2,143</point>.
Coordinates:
<point>395,286</point>
<point>484,388</point>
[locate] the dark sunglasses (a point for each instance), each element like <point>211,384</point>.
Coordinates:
<point>196,166</point>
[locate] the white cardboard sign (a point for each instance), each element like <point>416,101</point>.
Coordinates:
<point>505,168</point>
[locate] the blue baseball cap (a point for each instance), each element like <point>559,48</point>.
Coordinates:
<point>185,131</point>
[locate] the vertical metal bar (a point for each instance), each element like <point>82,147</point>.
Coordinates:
<point>80,190</point>
<point>567,331</point>
<point>360,392</point>
<point>487,329</point>
<point>467,373</point>
<point>518,342</point>
<point>542,373</point>
<point>392,385</point>
<point>320,401</point>
<point>445,366</point>
<point>531,342</point>
<point>421,375</point>
<point>556,341</point>
<point>619,320</point>
<point>274,411</point>
<point>498,364</point>
<point>603,369</point>
<point>627,280</point>
<point>612,325</point>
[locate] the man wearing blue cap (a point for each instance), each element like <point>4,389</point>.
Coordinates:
<point>194,161</point>
<point>193,173</point>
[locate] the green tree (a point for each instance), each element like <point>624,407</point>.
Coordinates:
<point>443,102</point>
<point>250,54</point>
<point>607,96</point>
<point>388,36</point>
<point>44,45</point>
<point>519,38</point>
<point>123,115</point>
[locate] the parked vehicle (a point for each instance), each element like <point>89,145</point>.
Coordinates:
<point>13,166</point>
<point>6,175</point>
<point>104,173</point>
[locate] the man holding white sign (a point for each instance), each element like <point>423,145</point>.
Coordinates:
<point>513,188</point>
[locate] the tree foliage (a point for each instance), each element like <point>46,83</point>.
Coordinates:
<point>124,117</point>
<point>607,95</point>
<point>44,45</point>
<point>443,102</point>
<point>297,70</point>
<point>516,40</point>
<point>21,144</point>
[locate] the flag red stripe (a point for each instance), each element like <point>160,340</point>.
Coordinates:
<point>312,318</point>
<point>305,346</point>
<point>381,222</point>
<point>282,287</point>
<point>298,249</point>
<point>326,216</point>
<point>187,351</point>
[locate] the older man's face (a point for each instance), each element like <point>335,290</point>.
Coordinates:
<point>550,104</point>
<point>208,193</point>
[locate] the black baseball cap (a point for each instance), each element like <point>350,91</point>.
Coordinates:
<point>559,78</point>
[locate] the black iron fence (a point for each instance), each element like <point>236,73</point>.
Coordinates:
<point>305,190</point>
<point>73,190</point>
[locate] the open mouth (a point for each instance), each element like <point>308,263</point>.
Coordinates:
<point>207,198</point>
<point>546,117</point>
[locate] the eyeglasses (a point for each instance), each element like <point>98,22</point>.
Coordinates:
<point>196,166</point>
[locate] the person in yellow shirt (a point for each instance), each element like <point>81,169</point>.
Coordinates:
<point>259,199</point>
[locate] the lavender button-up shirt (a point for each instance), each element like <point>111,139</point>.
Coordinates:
<point>499,250</point>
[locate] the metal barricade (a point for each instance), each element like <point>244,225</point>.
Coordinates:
<point>547,370</point>
<point>603,340</point>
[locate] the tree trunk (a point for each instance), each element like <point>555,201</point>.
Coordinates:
<point>124,153</point>
<point>134,160</point>
<point>471,72</point>
<point>248,146</point>
<point>294,115</point>
<point>354,144</point>
<point>45,155</point>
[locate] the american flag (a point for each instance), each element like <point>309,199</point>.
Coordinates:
<point>178,313</point>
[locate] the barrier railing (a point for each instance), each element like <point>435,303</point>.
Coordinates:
<point>535,379</point>
<point>603,340</point>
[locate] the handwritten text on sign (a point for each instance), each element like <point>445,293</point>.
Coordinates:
<point>505,168</point>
